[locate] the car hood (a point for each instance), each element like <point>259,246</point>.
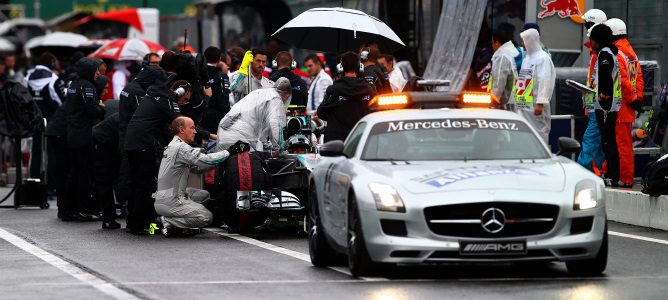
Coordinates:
<point>429,177</point>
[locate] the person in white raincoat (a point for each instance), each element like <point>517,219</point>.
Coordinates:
<point>257,116</point>
<point>504,70</point>
<point>534,84</point>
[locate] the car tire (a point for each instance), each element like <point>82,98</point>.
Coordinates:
<point>320,251</point>
<point>359,262</point>
<point>594,266</point>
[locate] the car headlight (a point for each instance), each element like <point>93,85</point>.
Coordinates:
<point>387,198</point>
<point>585,195</point>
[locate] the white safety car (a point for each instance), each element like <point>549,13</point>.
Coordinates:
<point>424,186</point>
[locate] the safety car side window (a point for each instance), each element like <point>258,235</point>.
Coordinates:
<point>354,140</point>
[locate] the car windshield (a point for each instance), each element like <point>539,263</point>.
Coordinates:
<point>453,139</point>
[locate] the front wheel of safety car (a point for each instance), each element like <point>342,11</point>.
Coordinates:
<point>594,266</point>
<point>359,262</point>
<point>319,250</point>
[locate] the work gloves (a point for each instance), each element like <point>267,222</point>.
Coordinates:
<point>248,58</point>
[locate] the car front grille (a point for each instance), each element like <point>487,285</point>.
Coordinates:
<point>512,219</point>
<point>455,255</point>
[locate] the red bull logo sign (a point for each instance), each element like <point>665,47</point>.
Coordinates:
<point>572,9</point>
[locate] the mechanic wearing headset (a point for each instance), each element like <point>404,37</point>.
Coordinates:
<point>284,64</point>
<point>144,139</point>
<point>376,75</point>
<point>347,100</point>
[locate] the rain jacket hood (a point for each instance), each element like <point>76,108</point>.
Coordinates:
<point>531,39</point>
<point>86,68</point>
<point>148,75</point>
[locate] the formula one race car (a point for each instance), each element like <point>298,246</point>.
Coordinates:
<point>272,188</point>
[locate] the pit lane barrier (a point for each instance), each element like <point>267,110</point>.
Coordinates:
<point>636,208</point>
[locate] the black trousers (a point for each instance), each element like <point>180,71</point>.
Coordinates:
<point>123,184</point>
<point>607,126</point>
<point>79,181</point>
<point>61,165</point>
<point>144,170</point>
<point>107,161</point>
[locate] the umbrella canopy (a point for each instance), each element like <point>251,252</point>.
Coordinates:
<point>6,46</point>
<point>57,39</point>
<point>337,30</point>
<point>128,49</point>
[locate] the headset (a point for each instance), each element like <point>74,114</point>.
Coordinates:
<point>274,63</point>
<point>364,55</point>
<point>183,89</point>
<point>339,68</point>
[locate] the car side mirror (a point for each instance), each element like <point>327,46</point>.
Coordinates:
<point>332,148</point>
<point>568,145</point>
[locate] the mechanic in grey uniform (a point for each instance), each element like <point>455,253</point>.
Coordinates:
<point>180,207</point>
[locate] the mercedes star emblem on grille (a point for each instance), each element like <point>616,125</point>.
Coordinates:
<point>493,220</point>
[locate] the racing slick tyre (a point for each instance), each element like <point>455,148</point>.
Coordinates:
<point>319,250</point>
<point>594,266</point>
<point>359,262</point>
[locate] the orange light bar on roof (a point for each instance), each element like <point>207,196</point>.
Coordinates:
<point>477,98</point>
<point>389,101</point>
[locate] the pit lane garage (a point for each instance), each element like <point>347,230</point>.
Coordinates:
<point>426,186</point>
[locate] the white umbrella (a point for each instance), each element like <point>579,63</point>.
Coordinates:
<point>6,45</point>
<point>337,29</point>
<point>57,39</point>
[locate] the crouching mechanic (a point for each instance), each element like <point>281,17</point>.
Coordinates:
<point>181,208</point>
<point>257,116</point>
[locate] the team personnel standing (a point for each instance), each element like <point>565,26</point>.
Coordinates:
<point>42,86</point>
<point>346,101</point>
<point>535,83</point>
<point>632,101</point>
<point>504,70</point>
<point>396,78</point>
<point>609,96</point>
<point>106,162</point>
<point>130,98</point>
<point>320,81</point>
<point>284,64</point>
<point>256,116</point>
<point>84,108</point>
<point>146,135</point>
<point>249,76</point>
<point>374,74</point>
<point>219,102</point>
<point>178,206</point>
<point>591,156</point>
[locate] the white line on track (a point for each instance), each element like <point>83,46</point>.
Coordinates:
<point>74,271</point>
<point>638,237</point>
<point>398,280</point>
<point>278,249</point>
